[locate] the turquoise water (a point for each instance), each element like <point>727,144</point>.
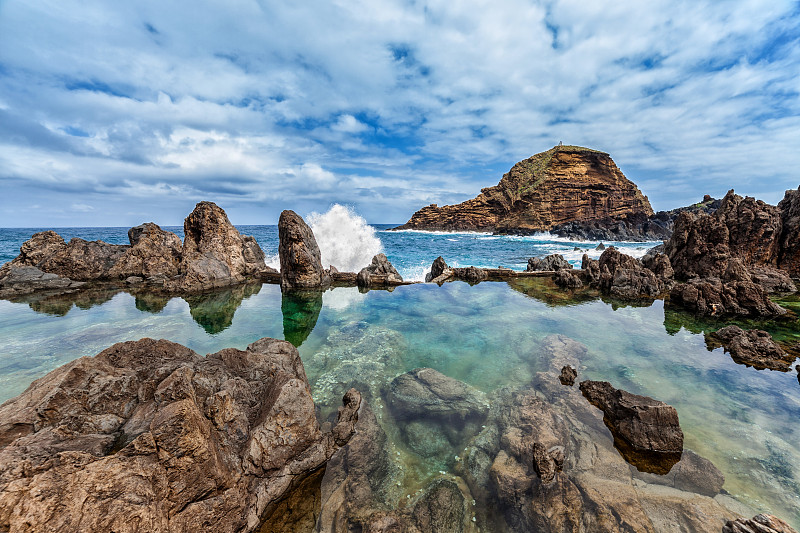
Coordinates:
<point>742,419</point>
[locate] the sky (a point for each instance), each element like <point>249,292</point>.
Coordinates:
<point>116,113</point>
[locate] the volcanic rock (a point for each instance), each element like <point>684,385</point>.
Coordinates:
<point>622,276</point>
<point>18,280</point>
<point>567,279</point>
<point>712,297</point>
<point>568,375</point>
<point>471,274</point>
<point>552,262</point>
<point>153,253</point>
<point>752,348</point>
<point>438,269</point>
<point>82,260</point>
<point>214,253</point>
<point>563,184</point>
<point>762,523</point>
<point>789,246</point>
<point>148,435</point>
<point>380,273</point>
<point>301,265</point>
<point>645,425</point>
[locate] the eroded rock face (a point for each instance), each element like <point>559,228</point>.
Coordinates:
<point>752,348</point>
<point>551,262</point>
<point>623,276</point>
<point>568,375</point>
<point>645,425</point>
<point>379,273</point>
<point>301,264</point>
<point>82,260</point>
<point>714,297</point>
<point>148,435</point>
<point>563,184</point>
<point>154,253</point>
<point>18,280</point>
<point>762,523</point>
<point>438,268</point>
<point>789,248</point>
<point>214,253</point>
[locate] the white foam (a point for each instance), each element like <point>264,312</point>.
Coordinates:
<point>431,232</point>
<point>273,261</point>
<point>345,239</point>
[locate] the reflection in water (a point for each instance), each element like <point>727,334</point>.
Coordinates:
<point>214,311</point>
<point>545,291</point>
<point>149,302</point>
<point>300,311</point>
<point>60,304</point>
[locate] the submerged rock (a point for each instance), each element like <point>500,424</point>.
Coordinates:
<point>762,523</point>
<point>752,348</point>
<point>648,428</point>
<point>301,264</point>
<point>380,273</point>
<point>150,435</point>
<point>554,262</point>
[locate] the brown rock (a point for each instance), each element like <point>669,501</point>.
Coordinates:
<point>438,268</point>
<point>563,184</point>
<point>624,277</point>
<point>712,297</point>
<point>752,348</point>
<point>470,274</point>
<point>567,280</point>
<point>380,273</point>
<point>568,375</point>
<point>789,247</point>
<point>646,426</point>
<point>762,523</point>
<point>39,247</point>
<point>153,253</point>
<point>301,266</point>
<point>82,260</point>
<point>148,435</point>
<point>554,262</point>
<point>17,280</point>
<point>214,253</point>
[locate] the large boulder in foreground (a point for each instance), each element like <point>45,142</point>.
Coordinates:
<point>301,263</point>
<point>150,436</point>
<point>648,428</point>
<point>214,253</point>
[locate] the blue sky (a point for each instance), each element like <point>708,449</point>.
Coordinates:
<point>116,113</point>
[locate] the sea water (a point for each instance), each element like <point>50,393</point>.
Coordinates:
<point>743,420</point>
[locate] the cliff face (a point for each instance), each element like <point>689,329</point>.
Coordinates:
<point>563,184</point>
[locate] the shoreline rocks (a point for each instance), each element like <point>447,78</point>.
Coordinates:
<point>752,348</point>
<point>150,435</point>
<point>379,273</point>
<point>301,264</point>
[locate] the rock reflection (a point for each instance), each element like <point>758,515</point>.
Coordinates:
<point>300,311</point>
<point>544,290</point>
<point>149,302</point>
<point>214,311</point>
<point>60,304</point>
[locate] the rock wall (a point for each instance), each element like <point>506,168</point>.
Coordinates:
<point>563,184</point>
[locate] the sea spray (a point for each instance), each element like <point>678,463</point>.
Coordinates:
<point>345,239</point>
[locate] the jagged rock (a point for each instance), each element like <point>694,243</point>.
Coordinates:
<point>567,280</point>
<point>148,435</point>
<point>762,523</point>
<point>551,262</point>
<point>214,253</point>
<point>301,266</point>
<point>789,246</point>
<point>153,253</point>
<point>623,276</point>
<point>752,348</point>
<point>18,280</point>
<point>380,273</point>
<point>39,247</point>
<point>591,269</point>
<point>771,279</point>
<point>649,427</point>
<point>563,184</point>
<point>470,274</point>
<point>438,268</point>
<point>568,375</point>
<point>712,297</point>
<point>600,247</point>
<point>82,260</point>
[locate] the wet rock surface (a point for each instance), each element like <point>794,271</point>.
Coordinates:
<point>150,435</point>
<point>646,430</point>
<point>754,348</point>
<point>762,523</point>
<point>379,273</point>
<point>551,262</point>
<point>301,264</point>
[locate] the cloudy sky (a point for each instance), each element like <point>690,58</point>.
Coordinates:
<point>115,113</point>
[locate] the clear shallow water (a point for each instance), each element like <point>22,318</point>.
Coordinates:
<point>742,419</point>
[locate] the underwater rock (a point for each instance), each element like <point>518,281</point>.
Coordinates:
<point>301,263</point>
<point>153,253</point>
<point>427,393</point>
<point>380,273</point>
<point>762,523</point>
<point>554,262</point>
<point>646,426</point>
<point>692,473</point>
<point>18,280</point>
<point>150,435</point>
<point>568,375</point>
<point>752,348</point>
<point>300,310</point>
<point>214,253</point>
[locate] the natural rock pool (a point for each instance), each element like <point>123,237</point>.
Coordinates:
<point>489,336</point>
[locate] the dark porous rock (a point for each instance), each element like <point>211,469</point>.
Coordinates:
<point>214,253</point>
<point>622,276</point>
<point>39,247</point>
<point>442,508</point>
<point>438,269</point>
<point>301,264</point>
<point>649,429</point>
<point>567,280</point>
<point>752,348</point>
<point>772,280</point>
<point>568,375</point>
<point>551,262</point>
<point>153,253</point>
<point>762,523</point>
<point>591,269</point>
<point>18,280</point>
<point>713,297</point>
<point>148,435</point>
<point>379,273</point>
<point>470,274</point>
<point>789,247</point>
<point>82,260</point>
<point>600,247</point>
